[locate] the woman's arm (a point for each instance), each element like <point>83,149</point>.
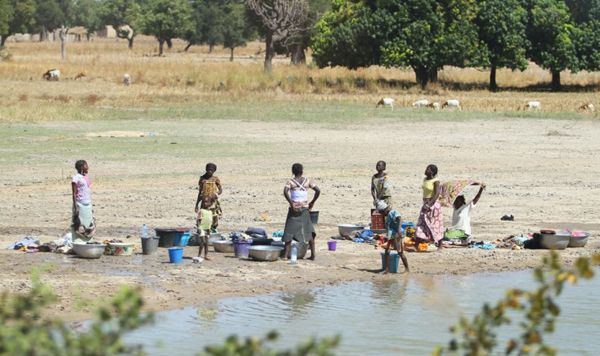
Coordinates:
<point>286,194</point>
<point>315,197</point>
<point>200,184</point>
<point>373,191</point>
<point>219,186</point>
<point>74,191</point>
<point>437,189</point>
<point>476,199</point>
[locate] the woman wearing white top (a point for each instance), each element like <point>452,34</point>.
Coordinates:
<point>461,217</point>
<point>297,224</point>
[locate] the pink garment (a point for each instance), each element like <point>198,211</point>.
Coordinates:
<point>450,190</point>
<point>430,226</point>
<point>84,188</point>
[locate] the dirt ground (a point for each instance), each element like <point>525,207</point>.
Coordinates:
<point>542,171</point>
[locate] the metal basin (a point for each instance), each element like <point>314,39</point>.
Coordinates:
<point>89,250</point>
<point>346,229</point>
<point>558,241</point>
<point>223,246</point>
<point>265,253</point>
<point>578,241</point>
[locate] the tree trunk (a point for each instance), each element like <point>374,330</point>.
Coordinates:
<point>269,52</point>
<point>231,54</point>
<point>130,42</point>
<point>432,73</point>
<point>493,84</point>
<point>422,75</point>
<point>211,46</point>
<point>169,43</point>
<point>190,44</point>
<point>556,81</point>
<point>298,55</point>
<point>62,35</point>
<point>3,41</point>
<point>161,44</point>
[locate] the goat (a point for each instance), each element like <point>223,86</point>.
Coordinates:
<point>452,103</point>
<point>420,103</point>
<point>589,107</point>
<point>386,102</point>
<point>435,106</point>
<point>79,76</point>
<point>126,79</point>
<point>533,105</point>
<point>52,75</point>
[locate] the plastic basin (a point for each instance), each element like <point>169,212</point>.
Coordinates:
<point>393,261</point>
<point>175,254</point>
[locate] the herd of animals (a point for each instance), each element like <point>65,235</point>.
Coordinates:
<point>54,75</point>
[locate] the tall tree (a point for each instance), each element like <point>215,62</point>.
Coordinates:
<point>208,23</point>
<point>586,14</point>
<point>551,32</point>
<point>124,16</point>
<point>297,43</point>
<point>6,17</point>
<point>48,17</point>
<point>22,20</point>
<point>237,29</point>
<point>166,19</point>
<point>87,14</point>
<point>281,19</point>
<point>501,25</point>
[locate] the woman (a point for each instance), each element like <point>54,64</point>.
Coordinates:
<point>297,224</point>
<point>83,224</point>
<point>380,185</point>
<point>430,226</point>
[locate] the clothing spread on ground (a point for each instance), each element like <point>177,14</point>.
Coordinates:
<point>461,218</point>
<point>84,191</point>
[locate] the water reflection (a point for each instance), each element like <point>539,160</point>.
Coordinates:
<point>390,292</point>
<point>298,302</point>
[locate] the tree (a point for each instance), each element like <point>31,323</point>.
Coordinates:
<point>124,16</point>
<point>280,18</point>
<point>6,17</point>
<point>237,30</point>
<point>166,19</point>
<point>501,26</point>
<point>551,33</point>
<point>48,17</point>
<point>586,14</point>
<point>22,17</point>
<point>87,14</point>
<point>348,36</point>
<point>297,43</point>
<point>208,24</point>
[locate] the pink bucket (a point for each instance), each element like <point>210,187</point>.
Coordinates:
<point>331,245</point>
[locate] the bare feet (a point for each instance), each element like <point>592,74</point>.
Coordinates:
<point>207,258</point>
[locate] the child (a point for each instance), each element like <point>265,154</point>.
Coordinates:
<point>83,226</point>
<point>461,217</point>
<point>203,225</point>
<point>210,185</point>
<point>380,185</point>
<point>393,225</point>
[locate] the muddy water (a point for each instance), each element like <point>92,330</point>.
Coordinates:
<point>407,315</point>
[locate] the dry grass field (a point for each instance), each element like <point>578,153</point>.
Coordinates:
<point>183,80</point>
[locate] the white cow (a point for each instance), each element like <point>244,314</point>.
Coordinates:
<point>420,103</point>
<point>52,75</point>
<point>452,103</point>
<point>386,102</point>
<point>533,105</point>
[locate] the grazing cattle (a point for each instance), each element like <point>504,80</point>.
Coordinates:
<point>52,75</point>
<point>420,103</point>
<point>435,106</point>
<point>386,102</point>
<point>589,107</point>
<point>533,105</point>
<point>452,103</point>
<point>79,76</point>
<point>126,79</point>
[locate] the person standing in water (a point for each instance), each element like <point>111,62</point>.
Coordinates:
<point>209,186</point>
<point>380,185</point>
<point>430,227</point>
<point>83,223</point>
<point>297,224</point>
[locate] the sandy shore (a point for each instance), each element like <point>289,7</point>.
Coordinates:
<point>544,172</point>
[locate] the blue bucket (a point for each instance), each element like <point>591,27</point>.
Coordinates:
<point>181,238</point>
<point>175,254</point>
<point>393,262</point>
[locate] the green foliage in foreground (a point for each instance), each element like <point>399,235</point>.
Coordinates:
<point>251,346</point>
<point>25,330</point>
<point>477,336</point>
